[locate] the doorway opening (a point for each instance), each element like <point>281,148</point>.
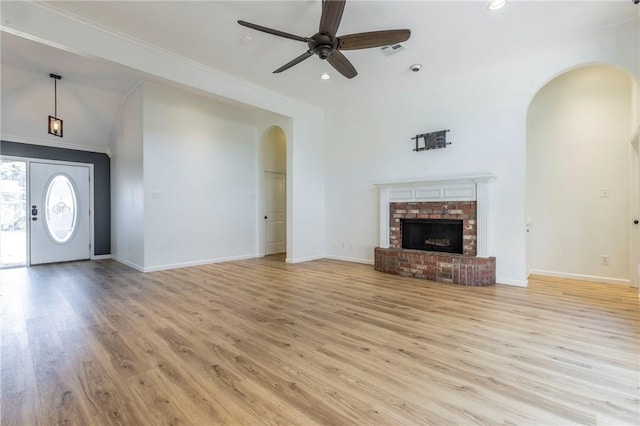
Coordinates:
<point>45,211</point>
<point>274,170</point>
<point>580,174</point>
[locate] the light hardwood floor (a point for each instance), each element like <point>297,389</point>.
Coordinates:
<point>323,342</point>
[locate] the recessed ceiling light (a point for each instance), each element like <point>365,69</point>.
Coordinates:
<point>497,4</point>
<point>325,76</point>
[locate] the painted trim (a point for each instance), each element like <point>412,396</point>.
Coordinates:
<point>512,282</point>
<point>198,263</point>
<point>304,259</point>
<point>581,277</point>
<point>101,257</point>
<point>439,189</point>
<point>351,259</point>
<point>437,180</point>
<point>55,144</point>
<point>129,264</point>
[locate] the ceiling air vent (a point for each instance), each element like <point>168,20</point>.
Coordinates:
<point>392,49</point>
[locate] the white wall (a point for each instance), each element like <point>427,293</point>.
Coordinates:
<point>577,145</point>
<point>127,184</point>
<point>28,99</point>
<point>486,111</point>
<point>199,178</point>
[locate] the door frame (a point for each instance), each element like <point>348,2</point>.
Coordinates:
<point>634,209</point>
<point>30,160</point>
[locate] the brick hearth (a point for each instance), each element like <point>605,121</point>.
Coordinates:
<point>443,267</point>
<point>463,269</point>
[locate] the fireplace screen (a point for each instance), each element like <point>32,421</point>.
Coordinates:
<point>443,235</point>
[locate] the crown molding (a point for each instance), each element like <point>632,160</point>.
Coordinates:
<point>54,144</point>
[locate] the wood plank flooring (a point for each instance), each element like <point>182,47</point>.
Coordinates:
<point>324,342</point>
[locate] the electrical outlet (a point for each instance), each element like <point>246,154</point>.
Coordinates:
<point>605,259</point>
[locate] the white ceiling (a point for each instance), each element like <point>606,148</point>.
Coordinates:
<point>39,58</point>
<point>447,37</point>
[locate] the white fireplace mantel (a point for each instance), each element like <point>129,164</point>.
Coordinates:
<point>455,188</point>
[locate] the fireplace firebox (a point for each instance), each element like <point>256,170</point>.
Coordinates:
<point>440,235</point>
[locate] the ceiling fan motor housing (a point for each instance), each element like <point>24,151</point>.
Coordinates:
<point>323,45</point>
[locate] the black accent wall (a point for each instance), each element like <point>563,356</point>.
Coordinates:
<point>101,182</point>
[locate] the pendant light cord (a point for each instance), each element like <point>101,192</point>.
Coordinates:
<point>55,98</point>
<point>55,93</point>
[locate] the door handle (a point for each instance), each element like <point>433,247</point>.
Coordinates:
<point>635,222</point>
<point>266,217</point>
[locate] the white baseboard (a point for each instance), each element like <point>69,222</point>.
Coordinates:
<point>580,277</point>
<point>101,257</point>
<point>304,259</point>
<point>198,263</point>
<point>129,264</point>
<point>351,259</point>
<point>508,281</point>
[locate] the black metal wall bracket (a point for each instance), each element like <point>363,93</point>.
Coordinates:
<point>433,140</point>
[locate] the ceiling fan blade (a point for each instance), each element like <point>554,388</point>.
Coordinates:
<point>372,39</point>
<point>342,64</point>
<point>296,61</point>
<point>272,31</point>
<point>331,16</point>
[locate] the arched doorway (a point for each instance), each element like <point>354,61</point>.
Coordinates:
<point>582,176</point>
<point>274,169</point>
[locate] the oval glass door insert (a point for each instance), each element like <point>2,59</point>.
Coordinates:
<point>61,209</point>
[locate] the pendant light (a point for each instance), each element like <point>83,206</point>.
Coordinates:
<point>55,123</point>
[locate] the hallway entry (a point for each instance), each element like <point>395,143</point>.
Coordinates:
<point>274,166</point>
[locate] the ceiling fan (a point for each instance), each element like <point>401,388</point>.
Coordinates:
<point>328,46</point>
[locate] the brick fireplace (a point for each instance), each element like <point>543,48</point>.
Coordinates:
<point>460,199</point>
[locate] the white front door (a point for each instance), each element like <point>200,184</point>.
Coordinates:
<point>59,212</point>
<point>275,212</point>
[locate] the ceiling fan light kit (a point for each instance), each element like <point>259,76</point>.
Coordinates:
<point>328,46</point>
